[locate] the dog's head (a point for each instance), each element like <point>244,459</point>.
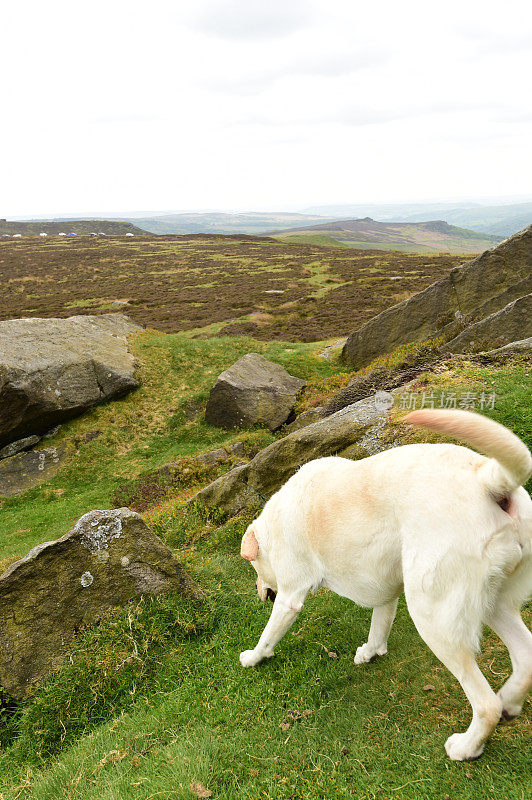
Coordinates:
<point>250,550</point>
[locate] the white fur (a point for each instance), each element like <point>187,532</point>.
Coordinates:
<point>424,519</point>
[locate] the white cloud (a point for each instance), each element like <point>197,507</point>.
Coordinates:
<point>250,19</point>
<point>219,103</point>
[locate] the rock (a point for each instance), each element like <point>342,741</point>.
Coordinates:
<point>306,418</point>
<point>54,430</point>
<point>253,391</point>
<point>237,449</point>
<point>331,350</point>
<point>54,369</point>
<point>230,493</point>
<point>25,470</point>
<point>514,347</point>
<point>151,487</point>
<point>469,293</point>
<point>503,327</point>
<point>108,558</point>
<point>377,379</point>
<point>218,456</point>
<point>253,483</point>
<point>16,447</point>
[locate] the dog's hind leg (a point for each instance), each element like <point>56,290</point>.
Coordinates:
<point>381,625</point>
<point>458,656</point>
<point>285,610</point>
<point>506,622</point>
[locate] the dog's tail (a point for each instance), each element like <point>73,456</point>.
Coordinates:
<point>510,463</point>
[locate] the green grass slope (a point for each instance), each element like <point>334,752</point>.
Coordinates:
<point>413,237</point>
<point>154,701</point>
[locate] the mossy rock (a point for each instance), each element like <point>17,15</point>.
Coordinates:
<point>108,558</point>
<point>472,291</point>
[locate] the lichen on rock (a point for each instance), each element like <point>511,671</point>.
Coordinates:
<point>98,528</point>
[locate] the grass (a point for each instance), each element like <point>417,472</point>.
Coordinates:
<point>307,724</point>
<point>314,238</point>
<point>207,285</point>
<point>154,700</point>
<point>159,422</point>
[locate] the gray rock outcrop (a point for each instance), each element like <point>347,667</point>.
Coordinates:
<point>54,369</point>
<point>521,346</point>
<point>108,558</point>
<point>504,327</point>
<point>470,293</point>
<point>253,391</point>
<point>250,484</point>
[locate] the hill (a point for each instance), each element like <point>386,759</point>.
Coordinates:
<point>211,284</point>
<point>499,220</point>
<point>80,227</point>
<point>218,222</point>
<point>421,237</point>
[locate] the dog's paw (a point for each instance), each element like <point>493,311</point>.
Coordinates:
<point>366,653</point>
<point>249,658</point>
<point>509,710</point>
<point>459,748</point>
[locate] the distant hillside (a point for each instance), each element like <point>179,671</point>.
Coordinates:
<point>78,226</point>
<point>254,223</point>
<point>500,220</point>
<point>367,234</point>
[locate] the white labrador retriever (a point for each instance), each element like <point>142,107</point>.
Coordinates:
<point>449,526</point>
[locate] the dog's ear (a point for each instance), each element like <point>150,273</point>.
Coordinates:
<point>250,547</point>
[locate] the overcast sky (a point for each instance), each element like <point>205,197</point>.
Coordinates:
<point>118,105</point>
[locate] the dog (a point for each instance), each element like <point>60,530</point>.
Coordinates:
<point>449,527</point>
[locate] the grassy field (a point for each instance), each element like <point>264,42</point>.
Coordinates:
<point>154,702</point>
<point>207,285</point>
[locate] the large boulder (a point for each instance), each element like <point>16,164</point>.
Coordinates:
<point>468,294</point>
<point>253,391</point>
<point>54,369</point>
<point>512,323</point>
<point>108,558</point>
<point>250,484</point>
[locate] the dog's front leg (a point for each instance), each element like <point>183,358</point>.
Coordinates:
<point>285,610</point>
